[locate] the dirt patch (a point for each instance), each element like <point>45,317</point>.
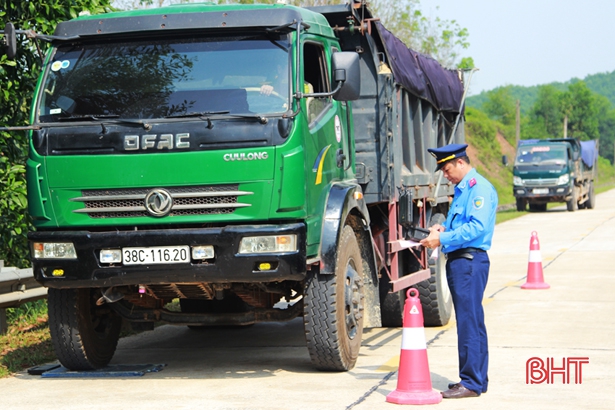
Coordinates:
<point>506,147</point>
<point>474,159</point>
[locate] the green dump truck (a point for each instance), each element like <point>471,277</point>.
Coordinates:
<point>555,170</point>
<point>204,165</point>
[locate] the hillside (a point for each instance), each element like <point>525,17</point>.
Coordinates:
<point>601,83</point>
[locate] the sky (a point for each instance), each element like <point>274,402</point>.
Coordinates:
<point>532,42</point>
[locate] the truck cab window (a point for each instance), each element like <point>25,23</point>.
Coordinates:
<point>316,79</point>
<point>167,77</point>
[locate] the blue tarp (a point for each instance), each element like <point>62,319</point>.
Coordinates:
<point>422,75</point>
<point>589,152</point>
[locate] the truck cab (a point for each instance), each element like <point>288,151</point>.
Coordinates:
<point>551,171</point>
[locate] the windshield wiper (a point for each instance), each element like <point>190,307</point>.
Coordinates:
<point>203,115</point>
<point>112,118</point>
<point>197,114</point>
<point>261,118</point>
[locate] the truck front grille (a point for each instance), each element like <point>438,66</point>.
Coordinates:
<point>129,203</point>
<point>540,182</point>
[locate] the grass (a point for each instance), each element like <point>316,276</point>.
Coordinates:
<point>27,342</point>
<point>507,215</point>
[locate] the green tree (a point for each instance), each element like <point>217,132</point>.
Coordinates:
<point>606,127</point>
<point>500,105</point>
<point>547,112</point>
<point>438,38</point>
<point>17,82</point>
<point>579,104</point>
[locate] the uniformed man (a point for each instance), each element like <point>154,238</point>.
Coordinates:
<point>465,237</point>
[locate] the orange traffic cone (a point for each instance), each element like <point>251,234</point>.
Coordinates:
<point>534,266</point>
<point>414,380</point>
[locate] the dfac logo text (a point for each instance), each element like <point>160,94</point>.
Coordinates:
<point>538,371</point>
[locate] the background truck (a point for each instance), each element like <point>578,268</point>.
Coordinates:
<point>202,165</point>
<point>555,170</point>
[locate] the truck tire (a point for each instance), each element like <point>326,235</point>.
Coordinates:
<point>391,304</point>
<point>84,335</point>
<point>572,204</point>
<point>436,299</point>
<point>333,309</point>
<point>591,200</point>
<point>521,205</point>
<point>435,296</point>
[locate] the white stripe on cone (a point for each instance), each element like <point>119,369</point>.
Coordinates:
<point>413,338</point>
<point>535,256</point>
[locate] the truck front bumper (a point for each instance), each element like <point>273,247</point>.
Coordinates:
<point>542,193</point>
<point>227,266</point>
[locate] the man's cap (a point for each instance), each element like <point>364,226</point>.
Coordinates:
<point>447,153</point>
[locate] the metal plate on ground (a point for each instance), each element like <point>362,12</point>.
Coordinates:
<point>117,370</point>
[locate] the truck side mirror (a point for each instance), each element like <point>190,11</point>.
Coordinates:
<point>575,155</point>
<point>10,41</point>
<point>505,160</point>
<point>345,65</point>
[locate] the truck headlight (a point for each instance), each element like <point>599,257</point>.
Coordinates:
<point>54,250</point>
<point>563,180</point>
<point>517,181</point>
<point>268,244</point>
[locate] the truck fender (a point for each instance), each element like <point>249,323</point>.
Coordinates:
<point>346,206</point>
<point>344,199</point>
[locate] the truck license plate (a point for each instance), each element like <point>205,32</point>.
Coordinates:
<point>156,255</point>
<point>540,191</point>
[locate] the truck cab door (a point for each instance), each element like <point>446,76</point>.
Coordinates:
<point>327,129</point>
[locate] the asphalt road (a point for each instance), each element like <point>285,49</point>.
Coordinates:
<point>266,366</point>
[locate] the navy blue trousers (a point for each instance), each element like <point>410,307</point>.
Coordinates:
<point>467,280</point>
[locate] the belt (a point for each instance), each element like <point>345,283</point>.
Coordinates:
<point>466,253</point>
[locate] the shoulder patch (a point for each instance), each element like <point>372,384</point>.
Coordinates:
<point>478,202</point>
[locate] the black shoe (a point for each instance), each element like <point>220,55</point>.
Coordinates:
<point>453,385</point>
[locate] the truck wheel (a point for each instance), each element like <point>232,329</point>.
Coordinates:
<point>333,309</point>
<point>435,296</point>
<point>391,304</point>
<point>572,204</point>
<point>84,335</point>
<point>591,200</point>
<point>436,299</point>
<point>521,205</point>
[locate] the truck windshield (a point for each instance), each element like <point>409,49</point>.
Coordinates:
<point>167,78</point>
<point>538,155</point>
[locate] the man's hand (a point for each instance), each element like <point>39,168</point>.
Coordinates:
<point>266,89</point>
<point>433,240</point>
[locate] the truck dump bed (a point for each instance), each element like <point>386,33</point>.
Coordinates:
<point>408,103</point>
